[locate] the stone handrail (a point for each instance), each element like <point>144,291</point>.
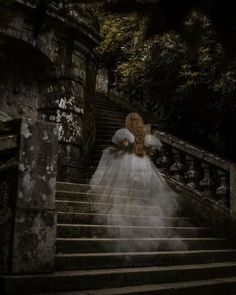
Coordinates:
<point>208,174</point>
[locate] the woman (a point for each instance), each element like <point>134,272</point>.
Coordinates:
<point>130,186</point>
<point>127,169</point>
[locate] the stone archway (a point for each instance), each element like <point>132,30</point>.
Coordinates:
<point>21,70</point>
<point>55,70</point>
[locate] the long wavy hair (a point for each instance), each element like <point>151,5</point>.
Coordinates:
<point>134,123</point>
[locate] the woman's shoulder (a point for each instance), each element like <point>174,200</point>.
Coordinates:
<point>122,134</point>
<point>152,141</point>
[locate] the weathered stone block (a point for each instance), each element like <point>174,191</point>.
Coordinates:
<point>37,165</point>
<point>5,238</point>
<point>233,191</point>
<point>34,241</point>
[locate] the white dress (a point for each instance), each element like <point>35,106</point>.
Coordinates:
<point>126,174</point>
<point>133,193</point>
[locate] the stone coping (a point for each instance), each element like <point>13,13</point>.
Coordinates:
<point>193,150</point>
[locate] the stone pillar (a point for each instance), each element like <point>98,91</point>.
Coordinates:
<point>64,106</point>
<point>233,191</point>
<point>68,101</point>
<point>34,222</point>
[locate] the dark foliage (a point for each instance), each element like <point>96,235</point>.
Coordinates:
<point>191,94</point>
<point>166,15</point>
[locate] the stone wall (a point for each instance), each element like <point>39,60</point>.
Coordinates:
<point>48,71</point>
<point>19,88</point>
<point>27,197</point>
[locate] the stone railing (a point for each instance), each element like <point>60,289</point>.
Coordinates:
<point>209,175</point>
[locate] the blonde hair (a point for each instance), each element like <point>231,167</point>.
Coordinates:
<point>134,123</point>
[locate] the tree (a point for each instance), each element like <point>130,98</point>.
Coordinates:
<point>181,85</point>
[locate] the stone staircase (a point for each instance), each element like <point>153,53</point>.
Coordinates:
<point>132,252</point>
<point>109,118</point>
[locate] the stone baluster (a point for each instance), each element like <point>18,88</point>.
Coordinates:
<point>192,175</point>
<point>207,183</point>
<point>223,189</point>
<point>164,161</point>
<point>177,167</point>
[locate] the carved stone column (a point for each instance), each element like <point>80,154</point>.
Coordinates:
<point>192,175</point>
<point>223,189</point>
<point>206,184</point>
<point>177,168</point>
<point>163,162</point>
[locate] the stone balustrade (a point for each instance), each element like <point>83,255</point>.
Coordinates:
<point>197,169</point>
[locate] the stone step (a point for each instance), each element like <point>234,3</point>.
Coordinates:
<point>103,127</point>
<point>103,219</point>
<point>93,207</point>
<point>102,135</point>
<point>124,231</point>
<point>103,105</point>
<point>109,107</point>
<point>109,116</point>
<point>85,180</point>
<point>79,187</point>
<point>216,286</point>
<point>141,259</point>
<point>106,120</point>
<point>121,191</point>
<point>110,278</point>
<point>116,199</point>
<point>102,111</point>
<point>94,245</point>
<point>104,141</point>
<point>108,128</point>
<point>103,132</point>
<point>101,147</point>
<point>111,113</point>
<point>96,156</point>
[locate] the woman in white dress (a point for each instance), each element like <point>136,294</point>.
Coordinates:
<point>129,182</point>
<point>126,169</point>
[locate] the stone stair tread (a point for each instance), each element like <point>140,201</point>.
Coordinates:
<point>212,286</point>
<point>136,253</point>
<point>118,205</point>
<point>133,226</point>
<point>78,217</point>
<point>82,185</point>
<point>134,258</point>
<point>129,231</point>
<point>126,215</point>
<point>107,244</point>
<point>101,239</point>
<point>98,195</point>
<point>123,270</point>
